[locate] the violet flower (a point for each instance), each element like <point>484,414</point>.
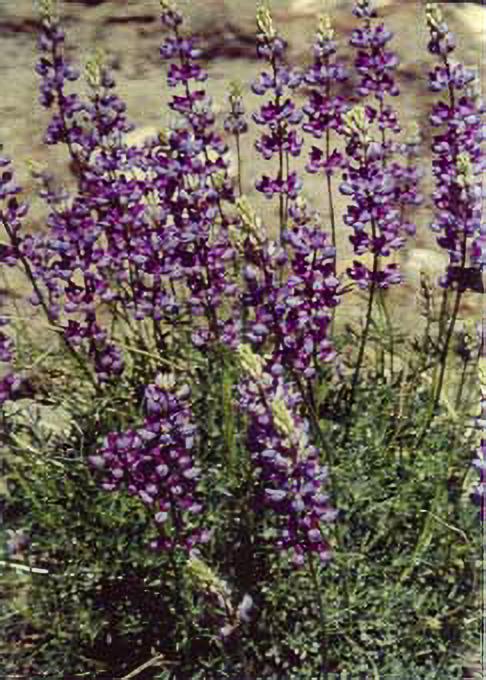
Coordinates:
<point>289,292</point>
<point>373,189</point>
<point>380,191</point>
<point>457,166</point>
<point>289,479</point>
<point>324,111</point>
<point>197,184</point>
<point>76,229</point>
<point>279,116</point>
<point>12,385</point>
<point>373,62</point>
<point>155,463</point>
<point>459,159</point>
<point>55,71</point>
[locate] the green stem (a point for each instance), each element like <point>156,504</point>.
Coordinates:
<point>437,390</point>
<point>238,155</point>
<point>281,197</point>
<point>364,337</point>
<point>323,646</point>
<point>424,537</point>
<point>181,610</point>
<point>443,311</point>
<point>389,326</point>
<point>333,224</point>
<point>331,201</point>
<point>461,383</point>
<point>445,350</point>
<point>287,172</point>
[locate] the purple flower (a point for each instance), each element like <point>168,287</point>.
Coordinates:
<point>459,160</point>
<point>380,193</point>
<point>289,477</point>
<point>155,463</point>
<point>235,122</point>
<point>279,115</point>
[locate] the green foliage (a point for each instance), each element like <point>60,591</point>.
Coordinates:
<point>398,595</point>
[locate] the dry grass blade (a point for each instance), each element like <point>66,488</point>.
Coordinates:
<point>154,661</point>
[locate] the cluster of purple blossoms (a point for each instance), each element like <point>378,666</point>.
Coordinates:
<point>79,259</point>
<point>140,236</point>
<point>155,463</point>
<point>12,385</point>
<point>380,190</point>
<point>55,71</point>
<point>280,115</point>
<point>289,478</point>
<point>373,62</point>
<point>290,285</point>
<point>289,290</point>
<point>194,177</point>
<point>324,112</point>
<point>375,66</point>
<point>459,160</point>
<point>479,463</point>
<point>373,191</point>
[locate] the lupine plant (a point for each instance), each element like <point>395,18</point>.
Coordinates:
<point>239,500</point>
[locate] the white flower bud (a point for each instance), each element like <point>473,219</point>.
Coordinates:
<point>265,22</point>
<point>250,362</point>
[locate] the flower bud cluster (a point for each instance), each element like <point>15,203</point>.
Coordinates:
<point>155,463</point>
<point>289,477</point>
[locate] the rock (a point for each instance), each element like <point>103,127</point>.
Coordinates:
<point>431,262</point>
<point>306,8</point>
<point>434,264</point>
<point>367,259</point>
<point>141,135</point>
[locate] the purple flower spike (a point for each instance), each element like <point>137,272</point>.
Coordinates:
<point>290,478</point>
<point>279,115</point>
<point>12,385</point>
<point>459,160</point>
<point>324,112</point>
<point>379,193</point>
<point>155,463</point>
